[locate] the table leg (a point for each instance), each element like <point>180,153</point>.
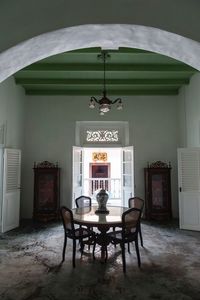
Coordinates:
<point>103,240</point>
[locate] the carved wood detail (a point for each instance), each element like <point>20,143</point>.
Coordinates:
<point>159,164</point>
<point>45,164</point>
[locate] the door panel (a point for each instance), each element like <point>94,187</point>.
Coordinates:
<point>127,174</point>
<point>11,189</point>
<point>190,210</point>
<point>77,171</point>
<point>189,188</point>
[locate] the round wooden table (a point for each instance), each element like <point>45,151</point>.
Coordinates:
<point>102,221</point>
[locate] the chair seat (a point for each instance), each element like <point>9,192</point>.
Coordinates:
<point>116,237</point>
<point>81,232</point>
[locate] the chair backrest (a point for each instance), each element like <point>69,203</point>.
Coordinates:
<point>136,202</point>
<point>83,201</point>
<point>67,219</point>
<point>130,222</point>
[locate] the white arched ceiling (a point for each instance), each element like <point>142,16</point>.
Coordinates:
<point>105,36</point>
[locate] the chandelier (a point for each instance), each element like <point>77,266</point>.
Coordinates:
<point>104,103</point>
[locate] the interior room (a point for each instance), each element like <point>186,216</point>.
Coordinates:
<point>53,75</point>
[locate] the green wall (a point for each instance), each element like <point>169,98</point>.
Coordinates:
<point>12,102</point>
<point>12,117</point>
<point>44,128</point>
<point>192,115</point>
<point>50,135</point>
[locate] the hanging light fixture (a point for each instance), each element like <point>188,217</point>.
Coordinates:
<point>104,103</point>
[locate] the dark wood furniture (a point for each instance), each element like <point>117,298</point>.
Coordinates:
<point>46,191</point>
<point>137,202</point>
<point>103,222</point>
<point>158,191</point>
<point>78,234</point>
<point>129,233</point>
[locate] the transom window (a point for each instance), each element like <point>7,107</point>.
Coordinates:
<point>109,133</point>
<point>102,136</point>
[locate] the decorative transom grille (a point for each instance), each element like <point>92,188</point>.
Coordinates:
<point>102,136</point>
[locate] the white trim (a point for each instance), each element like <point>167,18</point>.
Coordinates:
<point>107,36</point>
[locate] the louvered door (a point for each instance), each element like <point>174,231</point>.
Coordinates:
<point>189,188</point>
<point>11,189</point>
<point>77,171</point>
<point>127,174</point>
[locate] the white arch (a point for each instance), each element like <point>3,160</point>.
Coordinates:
<point>105,36</point>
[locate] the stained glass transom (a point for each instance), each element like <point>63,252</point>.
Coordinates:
<point>102,136</point>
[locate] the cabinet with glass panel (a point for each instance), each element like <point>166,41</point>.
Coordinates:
<point>158,191</point>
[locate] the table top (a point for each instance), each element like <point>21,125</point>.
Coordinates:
<point>88,216</point>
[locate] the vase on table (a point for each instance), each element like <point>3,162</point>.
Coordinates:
<point>102,199</point>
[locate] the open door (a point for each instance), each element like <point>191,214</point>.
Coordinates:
<point>77,171</point>
<point>127,174</point>
<point>189,188</point>
<point>11,189</point>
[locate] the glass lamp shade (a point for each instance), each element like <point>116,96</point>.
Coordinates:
<point>101,113</point>
<point>104,107</point>
<point>92,104</point>
<point>120,105</point>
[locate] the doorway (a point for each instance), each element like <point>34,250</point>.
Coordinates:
<point>103,168</point>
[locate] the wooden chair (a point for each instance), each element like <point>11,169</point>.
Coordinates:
<point>70,232</point>
<point>137,203</point>
<point>83,201</point>
<point>128,234</point>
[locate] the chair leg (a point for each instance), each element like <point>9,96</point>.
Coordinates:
<point>82,246</point>
<point>123,257</point>
<point>64,248</point>
<point>89,238</point>
<point>128,247</point>
<point>74,253</point>
<point>106,258</point>
<point>137,252</point>
<point>141,238</point>
<point>114,231</point>
<point>93,251</point>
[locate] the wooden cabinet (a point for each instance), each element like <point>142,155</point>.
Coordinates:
<point>158,191</point>
<point>46,191</point>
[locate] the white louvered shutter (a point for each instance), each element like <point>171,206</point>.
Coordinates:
<point>13,161</point>
<point>11,189</point>
<point>189,188</point>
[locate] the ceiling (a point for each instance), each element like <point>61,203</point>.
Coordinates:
<point>128,72</point>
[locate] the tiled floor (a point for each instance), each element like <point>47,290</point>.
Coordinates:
<point>30,267</point>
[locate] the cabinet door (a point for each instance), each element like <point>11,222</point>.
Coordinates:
<point>160,190</point>
<point>46,191</point>
<point>158,193</point>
